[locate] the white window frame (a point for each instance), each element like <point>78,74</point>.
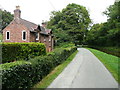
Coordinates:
<point>37,37</point>
<point>6,35</point>
<point>25,35</point>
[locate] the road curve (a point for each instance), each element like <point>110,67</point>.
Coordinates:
<point>85,71</point>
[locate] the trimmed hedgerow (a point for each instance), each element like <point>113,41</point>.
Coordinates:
<point>26,74</point>
<point>18,51</point>
<point>110,50</point>
<point>16,75</point>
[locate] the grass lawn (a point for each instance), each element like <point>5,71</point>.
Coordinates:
<point>45,82</point>
<point>111,62</point>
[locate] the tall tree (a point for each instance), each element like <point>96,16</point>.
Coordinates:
<point>108,33</point>
<point>113,13</point>
<point>73,21</point>
<point>6,17</point>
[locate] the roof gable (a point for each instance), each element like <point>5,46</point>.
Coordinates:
<point>31,26</point>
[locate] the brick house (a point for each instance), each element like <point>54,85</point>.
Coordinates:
<point>20,30</point>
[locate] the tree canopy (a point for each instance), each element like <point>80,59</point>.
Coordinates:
<point>6,18</point>
<point>108,33</point>
<point>70,24</point>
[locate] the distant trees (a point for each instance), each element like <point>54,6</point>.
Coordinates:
<point>108,33</point>
<point>6,18</point>
<point>70,24</point>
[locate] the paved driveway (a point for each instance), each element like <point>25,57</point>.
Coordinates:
<point>85,71</point>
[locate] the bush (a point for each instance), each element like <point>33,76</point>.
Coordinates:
<point>66,45</point>
<point>16,74</point>
<point>21,74</point>
<point>18,51</point>
<point>110,50</point>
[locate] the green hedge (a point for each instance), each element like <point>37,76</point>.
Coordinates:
<point>18,51</point>
<point>27,74</point>
<point>110,50</point>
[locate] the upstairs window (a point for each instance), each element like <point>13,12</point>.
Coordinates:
<point>37,36</point>
<point>7,35</point>
<point>23,35</point>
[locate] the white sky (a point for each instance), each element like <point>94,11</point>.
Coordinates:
<point>38,10</point>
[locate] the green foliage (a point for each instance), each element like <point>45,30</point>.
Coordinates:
<point>108,33</point>
<point>24,51</point>
<point>16,75</point>
<point>0,37</point>
<point>26,74</point>
<point>65,45</point>
<point>45,82</point>
<point>110,50</point>
<point>7,66</point>
<point>70,24</point>
<point>7,17</point>
<point>113,12</point>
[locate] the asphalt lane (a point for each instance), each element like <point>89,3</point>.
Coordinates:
<point>85,71</point>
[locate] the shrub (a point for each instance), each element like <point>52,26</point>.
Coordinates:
<point>18,51</point>
<point>25,74</point>
<point>65,45</point>
<point>16,74</point>
<point>110,50</point>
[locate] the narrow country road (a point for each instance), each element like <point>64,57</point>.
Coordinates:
<point>85,71</point>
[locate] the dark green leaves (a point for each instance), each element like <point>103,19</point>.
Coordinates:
<point>69,23</point>
<point>24,74</point>
<point>24,51</point>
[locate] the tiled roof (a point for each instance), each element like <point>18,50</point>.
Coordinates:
<point>31,26</point>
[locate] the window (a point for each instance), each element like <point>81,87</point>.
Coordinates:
<point>37,36</point>
<point>7,35</point>
<point>23,35</point>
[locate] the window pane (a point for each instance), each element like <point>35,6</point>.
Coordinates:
<point>24,35</point>
<point>8,35</point>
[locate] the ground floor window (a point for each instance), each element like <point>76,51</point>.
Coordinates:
<point>7,35</point>
<point>23,35</point>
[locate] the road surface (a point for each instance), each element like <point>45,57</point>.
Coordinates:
<point>85,71</point>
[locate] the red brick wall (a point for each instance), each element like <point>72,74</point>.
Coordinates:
<point>48,43</point>
<point>16,35</point>
<point>16,32</point>
<point>32,37</point>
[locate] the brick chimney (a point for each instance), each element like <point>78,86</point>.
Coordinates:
<point>44,24</point>
<point>17,12</point>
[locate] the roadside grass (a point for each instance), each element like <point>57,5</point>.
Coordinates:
<point>45,82</point>
<point>111,62</point>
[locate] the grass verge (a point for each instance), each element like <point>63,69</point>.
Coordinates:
<point>111,62</point>
<point>45,82</point>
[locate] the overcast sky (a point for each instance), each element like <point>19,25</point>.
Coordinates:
<point>38,10</point>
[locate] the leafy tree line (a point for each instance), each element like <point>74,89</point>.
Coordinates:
<point>108,33</point>
<point>70,25</point>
